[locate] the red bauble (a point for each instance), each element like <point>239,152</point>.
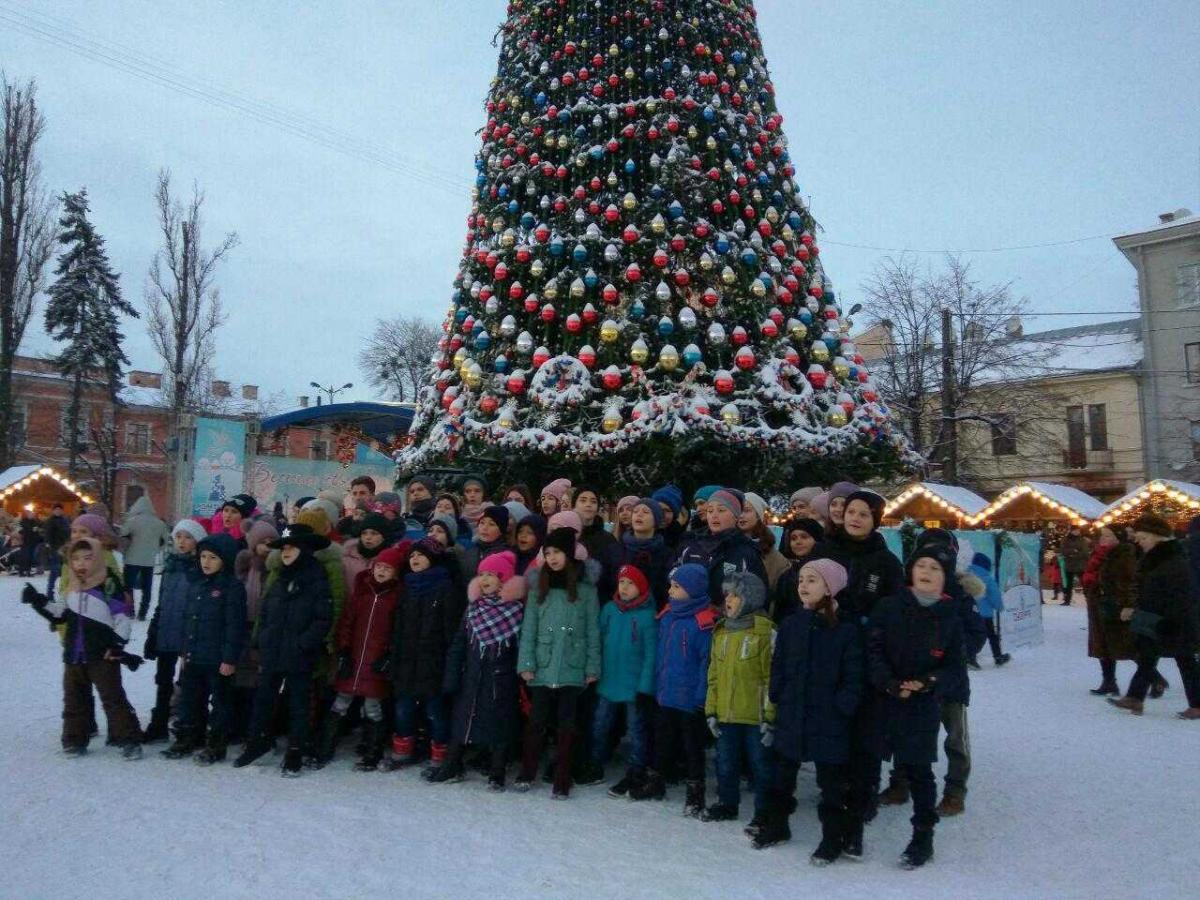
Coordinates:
<point>816,376</point>
<point>587,355</point>
<point>516,291</point>
<point>542,233</point>
<point>589,314</point>
<point>770,329</point>
<point>630,234</point>
<point>611,213</point>
<point>488,405</point>
<point>611,378</point>
<point>660,258</point>
<point>531,304</point>
<point>723,382</point>
<point>523,254</point>
<point>817,291</point>
<point>744,359</point>
<point>738,336</point>
<point>540,357</point>
<point>710,298</point>
<point>678,243</point>
<point>633,273</point>
<point>775,316</point>
<point>574,323</point>
<point>611,294</point>
<point>548,313</point>
<point>682,277</point>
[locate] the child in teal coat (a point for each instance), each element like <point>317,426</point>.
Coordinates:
<point>628,640</point>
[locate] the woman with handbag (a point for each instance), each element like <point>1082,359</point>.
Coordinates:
<point>1164,621</point>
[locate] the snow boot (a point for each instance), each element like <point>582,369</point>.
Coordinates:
<point>373,752</point>
<point>157,731</point>
<point>214,752</point>
<point>1003,659</point>
<point>132,750</point>
<point>1191,714</point>
<point>495,783</point>
<point>255,748</point>
<point>185,745</point>
<point>625,784</point>
<point>652,787</point>
<point>895,795</point>
<point>562,768</point>
<point>1134,706</point>
<point>774,828</point>
<point>951,805</point>
<point>590,772</point>
<point>326,745</point>
<point>919,850</point>
<point>693,804</point>
<point>531,754</point>
<point>404,753</point>
<point>973,664</point>
<point>1108,687</point>
<point>719,812</point>
<point>852,838</point>
<point>74,751</point>
<point>293,763</point>
<point>832,839</point>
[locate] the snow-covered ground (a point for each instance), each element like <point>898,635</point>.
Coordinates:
<point>1069,798</point>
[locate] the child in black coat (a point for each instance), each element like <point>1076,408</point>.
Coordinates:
<point>914,647</point>
<point>816,685</point>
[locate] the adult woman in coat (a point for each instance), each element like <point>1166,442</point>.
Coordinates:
<point>1108,586</point>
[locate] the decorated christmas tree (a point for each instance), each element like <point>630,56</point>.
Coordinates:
<point>641,295</point>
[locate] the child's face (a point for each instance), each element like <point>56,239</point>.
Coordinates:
<point>928,577</point>
<point>720,518</point>
<point>857,519</point>
<point>556,560</point>
<point>514,495</point>
<point>370,538</point>
<point>81,563</point>
<point>440,535</point>
<point>446,507</point>
<point>676,591</point>
<point>837,509</point>
<point>625,516</point>
<point>642,520</point>
<point>185,543</point>
<point>587,505</point>
<point>289,554</point>
<point>487,530</point>
<point>801,543</point>
<point>627,590</point>
<point>383,572</point>
<point>526,538</point>
<point>210,563</point>
<point>230,517</point>
<point>417,492</point>
<point>733,606</point>
<point>801,510</point>
<point>811,588</point>
<point>418,562</point>
<point>79,532</point>
<point>473,493</point>
<point>489,583</point>
<point>549,504</point>
<point>748,519</point>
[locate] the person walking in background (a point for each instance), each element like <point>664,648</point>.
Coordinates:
<point>56,532</point>
<point>31,537</point>
<point>1109,585</point>
<point>989,605</point>
<point>146,534</point>
<point>1075,551</point>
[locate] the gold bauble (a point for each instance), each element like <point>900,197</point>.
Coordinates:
<point>609,331</point>
<point>612,421</point>
<point>563,142</point>
<point>629,201</point>
<point>798,330</point>
<point>507,419</point>
<point>658,224</point>
<point>757,288</point>
<point>498,224</point>
<point>668,358</point>
<point>551,289</point>
<point>537,267</point>
<point>837,417</point>
<point>819,352</point>
<point>639,352</point>
<point>459,355</point>
<point>508,239</point>
<point>730,415</point>
<point>728,275</point>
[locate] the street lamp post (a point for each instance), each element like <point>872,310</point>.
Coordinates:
<point>331,391</point>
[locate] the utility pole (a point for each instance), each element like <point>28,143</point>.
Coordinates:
<point>949,428</point>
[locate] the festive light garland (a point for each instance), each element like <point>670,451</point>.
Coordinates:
<point>1021,490</point>
<point>1123,508</point>
<point>46,472</point>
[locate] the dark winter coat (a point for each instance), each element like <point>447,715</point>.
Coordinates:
<point>606,550</point>
<point>365,632</point>
<point>784,599</point>
<point>215,616</point>
<point>956,681</point>
<point>873,572</point>
<point>1075,551</point>
<point>723,554</point>
<point>817,681</point>
<point>1165,587</point>
<point>1109,584</point>
<point>478,552</point>
<point>1193,548</point>
<point>428,617</point>
<point>483,682</point>
<point>685,630</point>
<point>910,642</point>
<point>165,634</point>
<point>653,559</point>
<point>296,617</point>
<point>56,531</point>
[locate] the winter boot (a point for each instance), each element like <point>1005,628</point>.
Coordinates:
<point>652,787</point>
<point>896,794</point>
<point>255,748</point>
<point>951,805</point>
<point>132,750</point>
<point>590,772</point>
<point>185,745</point>
<point>214,752</point>
<point>404,753</point>
<point>1003,659</point>
<point>832,838</point>
<point>1191,714</point>
<point>693,804</point>
<point>157,730</point>
<point>562,769</point>
<point>74,751</point>
<point>1108,687</point>
<point>1129,703</point>
<point>293,763</point>
<point>719,812</point>
<point>327,739</point>
<point>774,828</point>
<point>852,838</point>
<point>973,664</point>
<point>372,736</point>
<point>495,782</point>
<point>625,783</point>
<point>1158,687</point>
<point>919,850</point>
<point>531,753</point>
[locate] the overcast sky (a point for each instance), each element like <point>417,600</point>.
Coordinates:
<point>965,125</point>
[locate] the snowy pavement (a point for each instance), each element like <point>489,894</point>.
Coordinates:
<point>1069,798</point>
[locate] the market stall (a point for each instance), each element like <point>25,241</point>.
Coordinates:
<point>1176,501</point>
<point>934,505</point>
<point>38,488</point>
<point>1037,506</point>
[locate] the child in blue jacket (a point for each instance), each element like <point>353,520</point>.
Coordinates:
<point>628,642</point>
<point>681,673</point>
<point>990,605</point>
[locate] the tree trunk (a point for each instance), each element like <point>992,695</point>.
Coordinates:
<point>949,426</point>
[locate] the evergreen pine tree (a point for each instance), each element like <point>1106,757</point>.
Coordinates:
<point>641,291</point>
<point>83,313</point>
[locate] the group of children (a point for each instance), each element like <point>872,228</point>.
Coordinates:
<point>471,634</point>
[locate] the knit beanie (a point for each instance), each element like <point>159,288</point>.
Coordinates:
<point>429,548</point>
<point>535,522</point>
<point>758,504</point>
<point>805,495</point>
<point>388,500</point>
<point>637,576</point>
<point>396,556</point>
<point>497,514</point>
<point>704,494</point>
<point>941,553</point>
<point>375,522</point>
<point>562,538</point>
<point>874,502</point>
<point>727,499</point>
<point>627,503</point>
<point>831,572</point>
<point>938,536</point>
<point>558,488</point>
<point>261,532</point>
<point>693,578</point>
<point>980,560</point>
<point>811,527</point>
<point>474,479</point>
<point>749,587</point>
<point>842,489</point>
<point>184,526</point>
<point>330,509</point>
<point>99,528</point>
<point>243,504</point>
<point>1151,524</point>
<point>516,510</point>
<point>447,523</point>
<point>670,495</point>
<point>428,483</point>
<point>503,565</point>
<point>655,510</point>
<point>820,504</point>
<point>565,519</point>
<point>315,518</point>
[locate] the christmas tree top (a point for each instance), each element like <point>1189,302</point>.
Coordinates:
<point>639,267</point>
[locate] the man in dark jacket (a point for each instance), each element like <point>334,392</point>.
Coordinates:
<point>725,549</point>
<point>1164,621</point>
<point>214,631</point>
<point>1075,551</point>
<point>56,532</point>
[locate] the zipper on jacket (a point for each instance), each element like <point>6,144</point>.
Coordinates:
<point>362,653</point>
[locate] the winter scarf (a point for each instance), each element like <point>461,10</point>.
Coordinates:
<point>472,512</point>
<point>494,621</point>
<point>430,579</point>
<point>367,553</point>
<point>627,605</point>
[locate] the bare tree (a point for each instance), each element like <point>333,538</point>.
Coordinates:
<point>992,369</point>
<point>183,301</point>
<point>26,235</point>
<point>397,355</point>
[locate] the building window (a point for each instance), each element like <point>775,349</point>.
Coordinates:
<point>1076,455</point>
<point>16,432</point>
<point>133,492</point>
<point>1004,435</point>
<point>1097,427</point>
<point>319,449</point>
<point>1196,441</point>
<point>137,438</point>
<point>81,427</point>
<point>1188,285</point>
<point>1191,362</point>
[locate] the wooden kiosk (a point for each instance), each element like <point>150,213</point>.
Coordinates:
<point>38,488</point>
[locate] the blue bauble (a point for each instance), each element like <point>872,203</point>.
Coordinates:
<point>556,246</point>
<point>739,57</point>
<point>763,178</point>
<point>579,254</point>
<point>665,326</point>
<point>500,363</point>
<point>483,340</point>
<point>565,116</point>
<point>630,167</point>
<point>480,180</point>
<point>709,114</point>
<point>597,152</point>
<point>502,192</point>
<point>854,373</point>
<point>721,245</point>
<point>460,315</point>
<point>651,74</point>
<point>667,64</point>
<point>656,191</point>
<point>766,280</point>
<point>806,316</point>
<point>735,150</point>
<point>692,355</point>
<point>749,257</point>
<point>580,132</point>
<point>591,279</point>
<point>513,207</point>
<point>628,42</point>
<point>527,220</point>
<point>540,100</point>
<point>831,341</point>
<point>794,219</point>
<point>637,310</point>
<point>675,210</point>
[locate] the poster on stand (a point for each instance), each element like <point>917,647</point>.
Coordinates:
<point>1020,587</point>
<point>280,479</point>
<point>220,463</point>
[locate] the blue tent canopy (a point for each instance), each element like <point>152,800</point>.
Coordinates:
<point>381,421</point>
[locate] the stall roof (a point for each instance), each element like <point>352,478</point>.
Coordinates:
<point>965,502</point>
<point>1182,492</point>
<point>11,476</point>
<point>381,421</point>
<point>15,479</point>
<point>1072,502</point>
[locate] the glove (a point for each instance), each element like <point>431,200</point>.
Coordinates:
<point>32,596</point>
<point>714,727</point>
<point>383,665</point>
<point>131,661</point>
<point>345,665</point>
<point>768,733</point>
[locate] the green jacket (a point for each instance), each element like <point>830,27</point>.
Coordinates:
<point>560,640</point>
<point>739,673</point>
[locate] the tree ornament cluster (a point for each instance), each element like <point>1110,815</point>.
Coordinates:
<point>638,260</point>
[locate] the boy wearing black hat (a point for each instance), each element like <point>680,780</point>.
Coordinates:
<point>296,615</point>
